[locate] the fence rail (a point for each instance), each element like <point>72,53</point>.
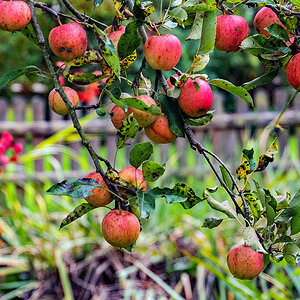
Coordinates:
<point>31,121</point>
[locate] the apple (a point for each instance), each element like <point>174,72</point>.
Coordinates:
<point>144,119</point>
<point>162,52</point>
<point>293,71</point>
<point>264,18</point>
<point>120,228</point>
<point>100,196</point>
<point>159,132</point>
<point>57,103</point>
<point>68,41</point>
<point>14,15</point>
<point>195,103</point>
<point>133,176</point>
<point>118,116</point>
<point>230,32</point>
<point>115,36</point>
<point>244,263</point>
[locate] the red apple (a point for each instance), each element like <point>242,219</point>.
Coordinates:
<point>120,228</point>
<point>14,15</point>
<point>100,196</point>
<point>159,132</point>
<point>68,41</point>
<point>264,18</point>
<point>118,116</point>
<point>144,119</point>
<point>244,263</point>
<point>162,52</point>
<point>133,176</point>
<point>115,36</point>
<point>195,103</point>
<point>293,71</point>
<point>230,32</point>
<point>57,103</point>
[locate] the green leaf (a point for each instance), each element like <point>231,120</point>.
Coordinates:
<point>278,31</point>
<point>292,213</point>
<point>290,22</point>
<point>223,207</point>
<point>267,157</point>
<point>252,240</point>
<point>226,178</point>
<point>140,105</point>
<point>263,2</point>
<point>203,120</point>
<point>12,75</point>
<point>78,212</point>
<point>235,90</point>
<point>84,78</point>
<point>130,40</point>
<point>97,3</point>
<point>173,113</point>
<point>146,203</point>
<point>291,252</point>
<point>140,153</point>
<point>212,222</point>
<point>152,170</point>
<point>261,80</point>
<point>271,204</point>
<point>196,31</point>
<point>260,194</point>
<point>118,102</point>
<point>208,36</point>
<point>180,193</point>
<point>179,14</point>
<point>128,130</point>
<point>75,188</point>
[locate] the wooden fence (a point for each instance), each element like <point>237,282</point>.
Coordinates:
<point>30,121</point>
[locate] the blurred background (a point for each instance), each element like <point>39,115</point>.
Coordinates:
<point>175,257</point>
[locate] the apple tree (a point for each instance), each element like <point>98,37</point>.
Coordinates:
<point>167,109</point>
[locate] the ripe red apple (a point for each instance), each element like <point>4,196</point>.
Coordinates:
<point>100,196</point>
<point>68,41</point>
<point>244,263</point>
<point>230,32</point>
<point>57,103</point>
<point>264,18</point>
<point>120,228</point>
<point>162,52</point>
<point>159,132</point>
<point>115,36</point>
<point>14,15</point>
<point>118,116</point>
<point>133,176</point>
<point>293,71</point>
<point>195,103</point>
<point>144,119</point>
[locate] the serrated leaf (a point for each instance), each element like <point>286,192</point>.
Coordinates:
<point>235,90</point>
<point>140,105</point>
<point>180,193</point>
<point>140,153</point>
<point>146,203</point>
<point>130,40</point>
<point>267,157</point>
<point>261,80</point>
<point>78,212</point>
<point>196,31</point>
<point>208,36</point>
<point>152,170</point>
<point>128,130</point>
<point>223,207</point>
<point>278,31</point>
<point>212,222</point>
<point>75,188</point>
<point>252,240</point>
<point>203,120</point>
<point>173,113</point>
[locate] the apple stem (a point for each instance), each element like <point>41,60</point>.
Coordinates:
<point>59,22</point>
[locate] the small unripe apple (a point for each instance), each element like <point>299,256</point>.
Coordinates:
<point>120,228</point>
<point>14,15</point>
<point>195,103</point>
<point>293,71</point>
<point>133,176</point>
<point>57,103</point>
<point>159,132</point>
<point>162,52</point>
<point>144,119</point>
<point>230,32</point>
<point>264,18</point>
<point>244,263</point>
<point>100,196</point>
<point>118,116</point>
<point>68,41</point>
<point>115,36</point>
